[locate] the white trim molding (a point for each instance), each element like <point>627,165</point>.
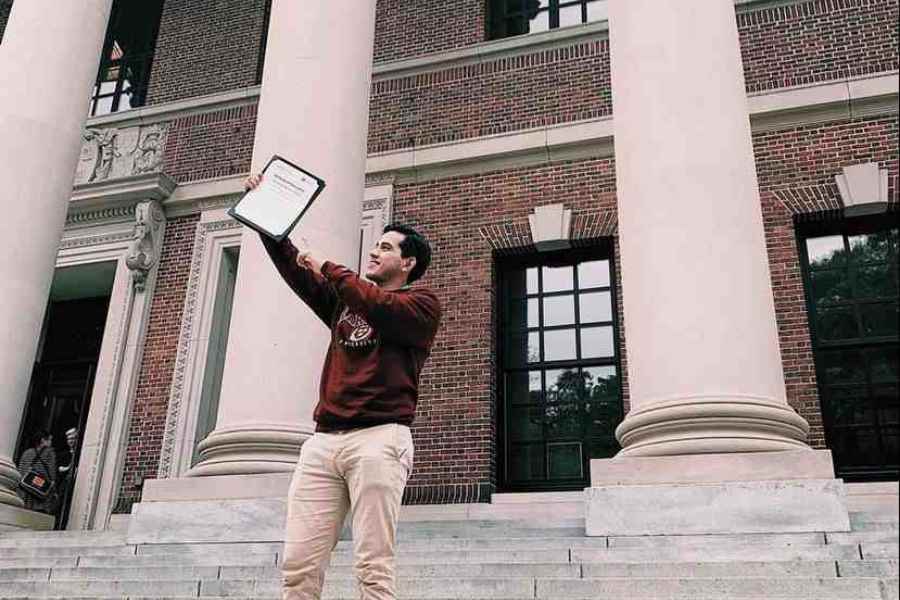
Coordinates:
<point>106,433</point>
<point>212,238</point>
<point>863,189</point>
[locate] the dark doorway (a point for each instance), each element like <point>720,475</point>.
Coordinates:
<point>63,378</point>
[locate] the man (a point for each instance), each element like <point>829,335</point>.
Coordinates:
<point>361,455</point>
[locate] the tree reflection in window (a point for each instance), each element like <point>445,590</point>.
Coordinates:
<point>562,396</point>
<point>851,275</point>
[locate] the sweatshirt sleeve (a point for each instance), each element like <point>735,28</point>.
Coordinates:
<point>409,318</point>
<point>313,289</point>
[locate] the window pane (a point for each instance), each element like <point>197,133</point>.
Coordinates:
<point>855,446</point>
<point>594,273</point>
<point>883,364</point>
<point>570,15</point>
<point>559,310</point>
<point>837,324</point>
<point>597,10</point>
<point>826,251</point>
<point>875,281</point>
<point>594,307</point>
<point>842,366</point>
<point>879,319</point>
<point>597,342</point>
<point>104,105</point>
<point>563,421</point>
<point>600,383</point>
<point>887,401</point>
<point>539,22</point>
<point>565,460</point>
<point>830,286</point>
<point>559,345</point>
<point>532,277</point>
<point>107,87</point>
<point>526,462</point>
<point>558,279</point>
<point>871,247</point>
<point>564,385</point>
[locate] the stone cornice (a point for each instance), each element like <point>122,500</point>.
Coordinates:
<point>115,199</point>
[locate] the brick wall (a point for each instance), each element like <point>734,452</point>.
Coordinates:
<point>455,425</point>
<point>551,86</point>
<point>408,28</point>
<point>206,46</point>
<point>794,161</point>
<point>812,41</point>
<point>148,417</point>
<point>214,144</point>
<point>5,7</point>
<point>818,41</point>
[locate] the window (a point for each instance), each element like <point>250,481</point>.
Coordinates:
<point>850,273</point>
<point>127,55</point>
<point>561,397</point>
<point>516,17</point>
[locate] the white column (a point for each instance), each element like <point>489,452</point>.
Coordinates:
<point>48,62</point>
<point>704,364</point>
<point>313,111</point>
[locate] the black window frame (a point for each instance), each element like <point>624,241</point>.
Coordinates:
<point>834,223</point>
<point>133,65</point>
<point>599,249</point>
<point>499,15</point>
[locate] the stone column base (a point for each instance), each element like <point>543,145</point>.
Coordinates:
<point>250,449</point>
<point>13,518</point>
<point>764,492</point>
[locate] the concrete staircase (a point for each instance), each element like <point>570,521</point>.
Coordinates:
<point>530,550</point>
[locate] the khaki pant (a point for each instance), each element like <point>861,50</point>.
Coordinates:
<point>362,471</point>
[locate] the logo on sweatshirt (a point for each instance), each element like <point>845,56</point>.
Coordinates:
<point>353,331</point>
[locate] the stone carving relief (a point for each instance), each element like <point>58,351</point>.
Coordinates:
<point>146,242</point>
<point>112,153</point>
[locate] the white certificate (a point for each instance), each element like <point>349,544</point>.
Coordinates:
<point>276,205</point>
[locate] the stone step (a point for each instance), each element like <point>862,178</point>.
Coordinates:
<point>879,536</point>
<point>505,544</point>
<point>713,569</point>
<point>877,551</point>
<point>22,539</point>
<point>27,552</point>
<point>869,568</point>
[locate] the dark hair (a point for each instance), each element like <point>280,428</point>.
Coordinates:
<point>413,244</point>
<point>39,436</point>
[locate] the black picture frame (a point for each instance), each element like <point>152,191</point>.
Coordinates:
<point>278,237</point>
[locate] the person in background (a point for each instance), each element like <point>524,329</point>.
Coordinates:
<point>66,481</point>
<point>41,458</point>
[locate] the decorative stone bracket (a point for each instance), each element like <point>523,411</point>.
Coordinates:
<point>864,189</point>
<point>146,244</point>
<point>551,226</point>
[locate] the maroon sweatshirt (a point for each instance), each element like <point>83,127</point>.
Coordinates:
<point>379,342</point>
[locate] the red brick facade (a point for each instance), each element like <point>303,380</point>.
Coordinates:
<point>148,415</point>
<point>205,47</point>
<point>208,145</point>
<point>472,219</point>
<point>818,41</point>
<point>409,28</point>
